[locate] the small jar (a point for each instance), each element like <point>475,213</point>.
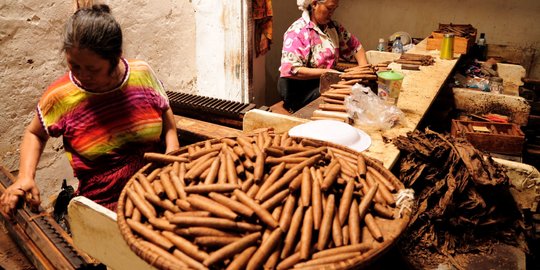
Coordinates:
<point>447,46</point>
<point>496,85</point>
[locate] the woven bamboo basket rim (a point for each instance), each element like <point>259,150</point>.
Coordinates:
<point>360,262</point>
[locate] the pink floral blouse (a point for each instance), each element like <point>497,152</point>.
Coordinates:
<point>306,45</point>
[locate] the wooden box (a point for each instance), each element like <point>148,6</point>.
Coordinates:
<point>498,138</point>
<point>461,44</point>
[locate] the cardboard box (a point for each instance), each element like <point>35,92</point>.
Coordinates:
<point>492,137</point>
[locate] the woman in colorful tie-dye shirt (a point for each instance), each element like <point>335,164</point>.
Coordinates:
<point>312,46</point>
<point>108,110</point>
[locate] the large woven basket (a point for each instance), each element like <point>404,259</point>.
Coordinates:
<point>391,228</point>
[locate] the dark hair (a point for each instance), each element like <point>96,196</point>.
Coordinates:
<point>95,29</point>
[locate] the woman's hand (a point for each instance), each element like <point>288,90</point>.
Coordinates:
<point>21,189</point>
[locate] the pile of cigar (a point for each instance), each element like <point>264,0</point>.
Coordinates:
<point>266,200</point>
<point>333,106</point>
<point>412,61</point>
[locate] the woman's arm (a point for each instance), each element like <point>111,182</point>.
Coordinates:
<point>33,143</point>
<point>360,57</point>
<point>169,129</point>
<point>306,73</point>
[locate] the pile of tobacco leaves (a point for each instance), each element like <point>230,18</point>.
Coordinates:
<point>463,200</point>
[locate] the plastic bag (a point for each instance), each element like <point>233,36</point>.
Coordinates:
<point>367,109</point>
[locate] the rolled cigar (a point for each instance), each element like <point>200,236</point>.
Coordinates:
<point>373,228</point>
<point>163,158</point>
<point>188,260</point>
<point>333,101</point>
<point>232,176</point>
<point>296,222</point>
<point>199,161</point>
<point>308,152</point>
<point>366,201</point>
<point>274,151</point>
<point>217,223</point>
<point>337,234</point>
<point>351,82</point>
<point>361,163</point>
<point>178,184</point>
<point>385,193</point>
<point>162,253</point>
<point>333,107</point>
<point>345,233</point>
<point>274,175</point>
<point>340,86</point>
<point>262,213</point>
<point>273,260</point>
<point>211,206</point>
<point>265,249</point>
<point>326,223</point>
<point>205,151</point>
<point>231,249</point>
<point>358,76</point>
<point>201,231</point>
<point>186,246</point>
<point>245,143</point>
<point>144,208</point>
<point>318,263</point>
<point>289,262</point>
<point>363,247</point>
<point>342,91</point>
<point>162,224</point>
<point>183,205</point>
<point>158,187</point>
<point>287,213</point>
<point>252,191</point>
<point>168,186</point>
<point>230,142</point>
<point>150,235</point>
<point>128,208</point>
<point>163,203</point>
<point>197,170</point>
<point>296,183</point>
<point>285,159</point>
<point>338,115</point>
<point>247,184</point>
<point>354,224</point>
<point>316,201</point>
<point>334,96</point>
<point>382,179</point>
<point>305,192</point>
<point>143,180</point>
<point>153,175</point>
<point>331,177</point>
<point>219,188</point>
<point>276,200</point>
<point>192,214</point>
<point>345,202</point>
<point>231,204</point>
<point>307,233</point>
<point>215,241</point>
<point>240,261</point>
<point>222,173</point>
<point>214,170</point>
<point>383,211</point>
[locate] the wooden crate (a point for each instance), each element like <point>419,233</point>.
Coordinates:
<point>498,138</point>
<point>461,45</point>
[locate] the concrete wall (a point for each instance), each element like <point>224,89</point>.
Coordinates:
<point>504,22</point>
<point>160,32</point>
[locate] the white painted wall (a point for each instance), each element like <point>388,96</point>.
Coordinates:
<point>160,32</point>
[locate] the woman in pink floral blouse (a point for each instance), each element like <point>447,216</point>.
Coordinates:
<point>311,47</point>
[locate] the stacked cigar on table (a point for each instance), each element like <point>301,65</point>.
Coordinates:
<point>266,200</point>
<point>334,107</point>
<point>412,61</point>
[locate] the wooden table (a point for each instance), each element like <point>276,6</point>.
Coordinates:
<point>419,90</point>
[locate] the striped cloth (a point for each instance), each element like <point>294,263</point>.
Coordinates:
<point>106,134</point>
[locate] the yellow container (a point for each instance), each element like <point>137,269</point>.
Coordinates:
<point>447,47</point>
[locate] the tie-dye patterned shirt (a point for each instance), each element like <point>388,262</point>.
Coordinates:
<point>306,45</point>
<point>101,131</point>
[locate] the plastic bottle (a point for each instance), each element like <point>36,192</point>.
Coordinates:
<point>397,46</point>
<point>381,47</point>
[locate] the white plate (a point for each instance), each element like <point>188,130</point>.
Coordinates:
<point>335,132</point>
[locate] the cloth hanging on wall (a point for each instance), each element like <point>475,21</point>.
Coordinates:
<point>262,15</point>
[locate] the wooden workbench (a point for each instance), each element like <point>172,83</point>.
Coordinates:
<point>419,90</point>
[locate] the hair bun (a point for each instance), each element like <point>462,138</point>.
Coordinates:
<point>102,8</point>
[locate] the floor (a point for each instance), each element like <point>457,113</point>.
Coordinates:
<point>11,257</point>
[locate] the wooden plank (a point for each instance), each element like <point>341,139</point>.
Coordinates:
<point>95,231</point>
<point>192,130</point>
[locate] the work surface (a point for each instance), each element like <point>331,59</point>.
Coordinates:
<point>418,92</point>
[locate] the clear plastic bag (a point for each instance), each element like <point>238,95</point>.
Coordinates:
<point>368,109</point>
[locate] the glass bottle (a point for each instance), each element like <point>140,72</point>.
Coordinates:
<point>496,85</point>
<point>481,48</point>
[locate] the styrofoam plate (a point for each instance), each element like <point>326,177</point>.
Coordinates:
<point>335,132</point>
